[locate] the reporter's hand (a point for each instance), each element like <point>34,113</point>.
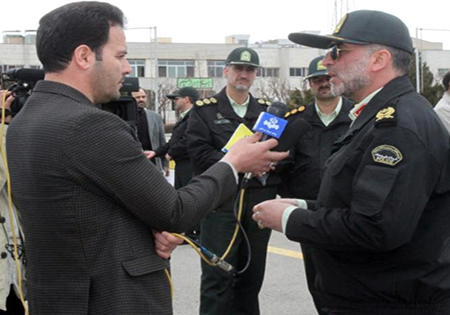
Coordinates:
<point>249,155</point>
<point>165,243</point>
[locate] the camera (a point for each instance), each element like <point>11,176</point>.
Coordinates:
<point>22,81</point>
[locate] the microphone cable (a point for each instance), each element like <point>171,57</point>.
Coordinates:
<point>212,259</point>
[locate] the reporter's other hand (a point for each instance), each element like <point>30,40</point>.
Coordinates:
<point>165,243</point>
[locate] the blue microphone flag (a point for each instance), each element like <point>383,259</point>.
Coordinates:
<point>270,125</point>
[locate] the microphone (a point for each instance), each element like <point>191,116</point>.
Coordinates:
<point>25,74</point>
<point>272,125</point>
<point>271,122</point>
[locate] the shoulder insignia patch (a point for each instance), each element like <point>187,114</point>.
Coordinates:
<point>386,113</point>
<point>199,103</point>
<point>213,100</point>
<point>207,101</point>
<point>387,154</point>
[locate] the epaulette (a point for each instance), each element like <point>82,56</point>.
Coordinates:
<point>206,101</point>
<point>387,116</point>
<point>263,101</point>
<point>295,111</point>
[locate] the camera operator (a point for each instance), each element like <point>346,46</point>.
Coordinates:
<point>9,282</point>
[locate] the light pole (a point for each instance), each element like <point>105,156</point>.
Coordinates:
<point>419,78</point>
<point>152,30</point>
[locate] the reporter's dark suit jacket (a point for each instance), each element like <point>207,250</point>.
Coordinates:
<point>89,200</point>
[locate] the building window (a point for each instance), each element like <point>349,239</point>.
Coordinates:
<point>298,72</point>
<point>176,68</point>
<point>137,68</point>
<point>215,68</point>
<point>269,72</point>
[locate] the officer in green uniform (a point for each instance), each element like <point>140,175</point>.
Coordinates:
<point>211,125</point>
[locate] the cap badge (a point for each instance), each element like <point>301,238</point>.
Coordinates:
<point>320,66</point>
<point>246,56</point>
<point>340,24</point>
<point>386,113</point>
<point>387,154</point>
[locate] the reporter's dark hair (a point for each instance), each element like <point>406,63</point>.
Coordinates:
<point>446,80</point>
<point>62,30</point>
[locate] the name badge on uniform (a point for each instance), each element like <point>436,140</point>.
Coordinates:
<point>221,121</point>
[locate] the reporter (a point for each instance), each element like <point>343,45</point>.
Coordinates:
<point>88,196</point>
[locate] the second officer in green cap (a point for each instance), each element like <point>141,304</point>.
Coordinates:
<point>212,123</point>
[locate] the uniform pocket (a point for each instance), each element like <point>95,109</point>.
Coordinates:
<point>373,188</point>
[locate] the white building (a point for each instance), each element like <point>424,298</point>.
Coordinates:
<point>166,66</point>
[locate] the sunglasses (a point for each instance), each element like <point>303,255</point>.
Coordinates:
<point>335,51</point>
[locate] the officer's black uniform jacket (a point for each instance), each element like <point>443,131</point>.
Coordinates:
<point>381,227</point>
<point>302,178</point>
<point>177,145</point>
<point>212,125</point>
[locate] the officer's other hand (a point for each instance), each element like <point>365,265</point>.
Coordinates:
<point>249,155</point>
<point>165,243</point>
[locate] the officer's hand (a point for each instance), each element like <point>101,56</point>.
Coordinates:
<point>269,213</point>
<point>165,243</point>
<point>249,155</point>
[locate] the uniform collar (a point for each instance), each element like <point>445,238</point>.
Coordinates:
<point>328,119</point>
<point>395,88</point>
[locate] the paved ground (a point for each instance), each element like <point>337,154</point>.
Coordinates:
<point>284,291</point>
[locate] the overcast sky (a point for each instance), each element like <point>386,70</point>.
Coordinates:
<point>209,21</point>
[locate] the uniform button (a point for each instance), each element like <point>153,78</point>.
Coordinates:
<point>4,255</point>
<point>2,220</point>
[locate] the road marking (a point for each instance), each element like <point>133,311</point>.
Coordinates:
<point>285,252</point>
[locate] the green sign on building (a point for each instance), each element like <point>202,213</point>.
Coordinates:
<point>198,83</point>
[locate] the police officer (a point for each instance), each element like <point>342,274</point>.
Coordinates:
<point>176,148</point>
<point>329,118</point>
<point>212,123</point>
<point>380,227</point>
